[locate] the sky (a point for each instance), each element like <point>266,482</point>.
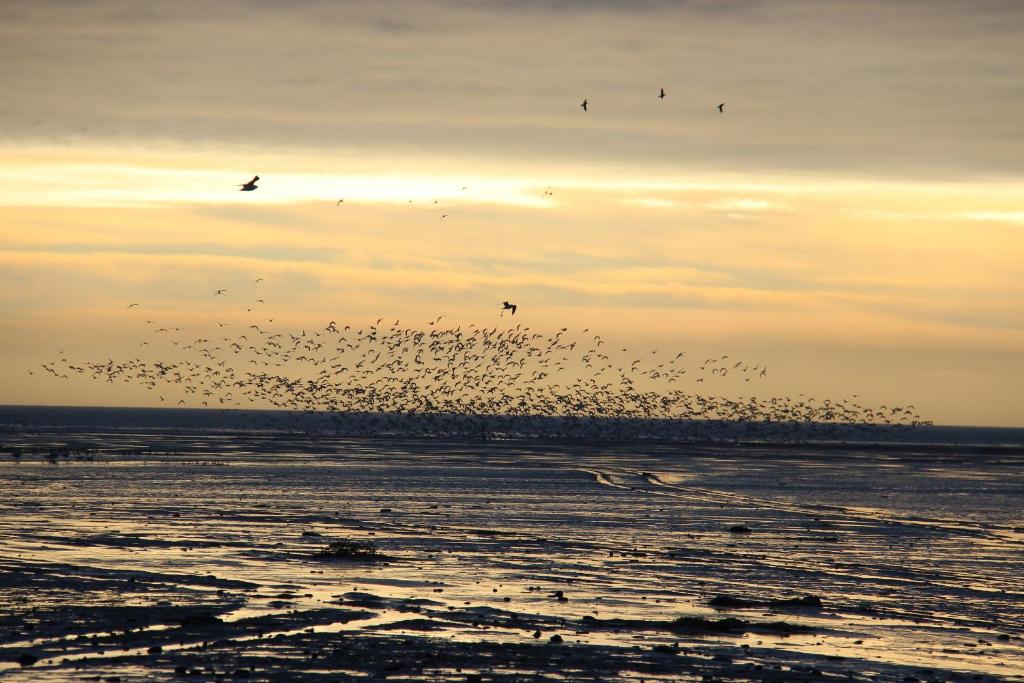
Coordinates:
<point>854,219</point>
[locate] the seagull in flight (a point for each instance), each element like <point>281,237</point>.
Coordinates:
<point>661,95</point>
<point>721,108</point>
<point>506,306</point>
<point>583,106</point>
<point>249,186</point>
<point>131,306</point>
<point>219,292</point>
<point>340,201</point>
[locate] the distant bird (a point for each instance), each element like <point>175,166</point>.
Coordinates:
<point>249,186</point>
<point>219,292</point>
<point>584,105</point>
<point>721,108</point>
<point>131,306</point>
<point>661,95</point>
<point>443,216</point>
<point>506,306</point>
<point>340,201</point>
<point>257,281</point>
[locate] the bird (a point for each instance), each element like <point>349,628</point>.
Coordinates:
<point>661,95</point>
<point>131,306</point>
<point>249,186</point>
<point>721,108</point>
<point>506,306</point>
<point>340,202</point>
<point>257,281</point>
<point>219,292</point>
<point>584,105</point>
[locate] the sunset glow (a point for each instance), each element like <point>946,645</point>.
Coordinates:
<point>840,221</point>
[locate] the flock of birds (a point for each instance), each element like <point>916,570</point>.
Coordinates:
<point>662,94</point>
<point>448,380</point>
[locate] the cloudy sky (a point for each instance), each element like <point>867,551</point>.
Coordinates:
<point>855,218</point>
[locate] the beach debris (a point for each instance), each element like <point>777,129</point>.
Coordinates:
<point>26,659</point>
<point>202,619</point>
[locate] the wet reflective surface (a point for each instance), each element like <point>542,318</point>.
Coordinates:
<point>157,556</point>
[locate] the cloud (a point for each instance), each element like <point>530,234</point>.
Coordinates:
<point>845,87</point>
<point>996,216</point>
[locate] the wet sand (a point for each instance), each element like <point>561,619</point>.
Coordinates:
<point>149,556</point>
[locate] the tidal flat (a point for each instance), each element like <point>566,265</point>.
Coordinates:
<point>160,555</point>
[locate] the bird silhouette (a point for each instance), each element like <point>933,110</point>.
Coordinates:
<point>721,108</point>
<point>583,105</point>
<point>506,306</point>
<point>661,95</point>
<point>249,186</point>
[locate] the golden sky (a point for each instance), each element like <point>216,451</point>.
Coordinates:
<point>855,218</point>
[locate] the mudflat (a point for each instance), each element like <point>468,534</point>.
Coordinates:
<point>157,556</point>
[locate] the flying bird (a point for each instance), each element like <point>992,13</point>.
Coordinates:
<point>219,292</point>
<point>506,306</point>
<point>661,95</point>
<point>249,186</point>
<point>721,108</point>
<point>340,201</point>
<point>131,306</point>
<point>584,105</point>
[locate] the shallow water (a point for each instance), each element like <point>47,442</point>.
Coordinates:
<point>916,558</point>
